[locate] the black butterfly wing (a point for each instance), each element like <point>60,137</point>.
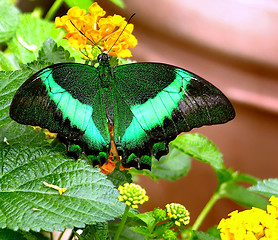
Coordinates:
<point>66,99</point>
<point>160,101</point>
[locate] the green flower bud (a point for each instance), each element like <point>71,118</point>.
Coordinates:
<point>159,214</point>
<point>177,213</point>
<point>169,235</point>
<point>132,194</point>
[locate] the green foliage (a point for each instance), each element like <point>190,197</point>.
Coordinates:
<point>267,187</point>
<point>200,148</point>
<point>7,234</point>
<point>171,167</point>
<point>9,20</point>
<point>205,236</point>
<point>27,203</point>
<point>118,177</point>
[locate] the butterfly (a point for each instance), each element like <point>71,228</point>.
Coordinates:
<point>145,104</point>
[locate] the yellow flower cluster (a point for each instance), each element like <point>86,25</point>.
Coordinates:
<point>178,213</point>
<point>132,194</point>
<point>111,34</point>
<point>251,224</point>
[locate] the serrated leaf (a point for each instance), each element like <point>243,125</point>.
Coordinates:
<point>205,236</point>
<point>9,20</point>
<point>9,83</point>
<point>26,203</point>
<point>30,35</point>
<point>267,187</point>
<point>118,177</point>
<point>51,53</point>
<point>172,166</point>
<point>126,234</point>
<point>7,234</point>
<point>200,148</point>
<point>242,196</point>
<point>98,231</point>
<point>14,133</point>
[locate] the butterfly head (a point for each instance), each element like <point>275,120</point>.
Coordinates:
<point>103,57</point>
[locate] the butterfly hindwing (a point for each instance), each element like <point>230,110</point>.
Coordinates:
<point>163,101</point>
<point>66,99</point>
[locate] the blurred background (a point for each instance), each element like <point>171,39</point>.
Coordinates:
<point>234,45</point>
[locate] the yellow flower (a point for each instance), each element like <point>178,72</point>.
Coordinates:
<point>251,224</point>
<point>132,194</point>
<point>111,34</point>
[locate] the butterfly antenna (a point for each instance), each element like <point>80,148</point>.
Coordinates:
<point>121,32</point>
<point>86,55</point>
<point>92,41</point>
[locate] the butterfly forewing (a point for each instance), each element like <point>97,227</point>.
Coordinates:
<point>164,101</point>
<point>66,99</point>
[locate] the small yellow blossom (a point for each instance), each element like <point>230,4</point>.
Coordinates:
<point>111,33</point>
<point>132,194</point>
<point>177,213</point>
<point>251,224</point>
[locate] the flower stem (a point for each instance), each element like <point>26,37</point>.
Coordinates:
<point>61,235</point>
<point>120,228</point>
<point>54,8</point>
<point>206,210</point>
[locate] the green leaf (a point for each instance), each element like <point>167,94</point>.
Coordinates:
<point>7,234</point>
<point>267,187</point>
<point>119,3</point>
<point>214,231</point>
<point>14,133</point>
<point>85,4</point>
<point>242,196</point>
<point>205,236</point>
<point>118,177</point>
<point>226,175</point>
<point>162,228</point>
<point>51,53</point>
<point>200,148</point>
<point>30,35</point>
<point>172,166</point>
<point>26,203</point>
<point>146,217</point>
<point>141,229</point>
<point>95,232</point>
<point>9,20</point>
<point>7,62</point>
<point>126,234</point>
<point>9,83</point>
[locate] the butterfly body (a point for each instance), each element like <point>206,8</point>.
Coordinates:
<point>148,105</point>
